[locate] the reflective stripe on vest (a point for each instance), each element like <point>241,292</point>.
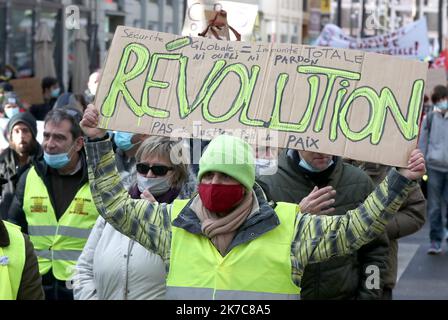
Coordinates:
<point>58,244</point>
<point>258,269</point>
<point>63,231</point>
<point>180,293</point>
<point>12,263</point>
<point>59,254</point>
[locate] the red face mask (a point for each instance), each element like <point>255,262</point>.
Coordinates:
<point>220,197</point>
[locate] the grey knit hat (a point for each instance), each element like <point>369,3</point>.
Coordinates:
<point>25,118</point>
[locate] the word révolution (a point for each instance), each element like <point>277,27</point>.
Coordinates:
<point>380,102</point>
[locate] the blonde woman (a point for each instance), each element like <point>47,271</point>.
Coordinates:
<point>114,267</point>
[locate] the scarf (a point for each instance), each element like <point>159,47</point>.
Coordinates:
<point>221,229</point>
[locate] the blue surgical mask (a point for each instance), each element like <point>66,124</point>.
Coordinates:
<point>310,168</point>
<point>265,166</point>
<point>442,105</point>
<point>123,140</point>
<point>55,92</point>
<point>11,112</point>
<point>57,161</point>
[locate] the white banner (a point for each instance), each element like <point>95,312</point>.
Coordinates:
<point>410,41</point>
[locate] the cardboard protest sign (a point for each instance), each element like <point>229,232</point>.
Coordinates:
<point>28,90</point>
<point>435,77</point>
<point>410,41</point>
<point>356,104</point>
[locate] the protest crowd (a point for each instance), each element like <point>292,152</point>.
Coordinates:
<point>95,214</point>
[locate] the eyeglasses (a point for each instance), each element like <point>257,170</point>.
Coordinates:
<point>158,169</point>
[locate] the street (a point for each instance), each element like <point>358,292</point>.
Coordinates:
<point>421,276</point>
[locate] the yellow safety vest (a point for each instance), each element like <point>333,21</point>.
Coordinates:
<point>58,244</point>
<point>12,262</point>
<point>258,269</point>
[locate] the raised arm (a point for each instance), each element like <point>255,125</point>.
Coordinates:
<point>147,223</point>
<point>318,238</point>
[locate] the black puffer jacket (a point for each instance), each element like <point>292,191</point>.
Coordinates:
<point>10,172</point>
<point>341,277</point>
<point>409,219</point>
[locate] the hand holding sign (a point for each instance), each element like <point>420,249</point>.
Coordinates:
<point>89,123</point>
<point>416,166</point>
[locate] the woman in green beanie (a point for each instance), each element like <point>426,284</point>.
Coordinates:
<point>229,242</point>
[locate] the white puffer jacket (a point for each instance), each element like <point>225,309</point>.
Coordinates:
<point>114,267</point>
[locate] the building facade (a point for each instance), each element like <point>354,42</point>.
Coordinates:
<point>282,21</point>
<point>19,20</point>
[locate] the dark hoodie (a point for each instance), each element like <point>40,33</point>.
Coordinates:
<point>10,173</point>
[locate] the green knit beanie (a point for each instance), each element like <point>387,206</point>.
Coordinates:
<point>229,155</point>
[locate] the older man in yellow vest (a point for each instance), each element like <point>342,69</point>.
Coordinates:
<point>53,203</point>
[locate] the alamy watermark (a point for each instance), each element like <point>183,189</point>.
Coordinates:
<point>373,278</point>
<point>379,20</point>
<point>265,144</point>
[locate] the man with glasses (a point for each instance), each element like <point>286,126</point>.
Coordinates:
<point>53,203</point>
